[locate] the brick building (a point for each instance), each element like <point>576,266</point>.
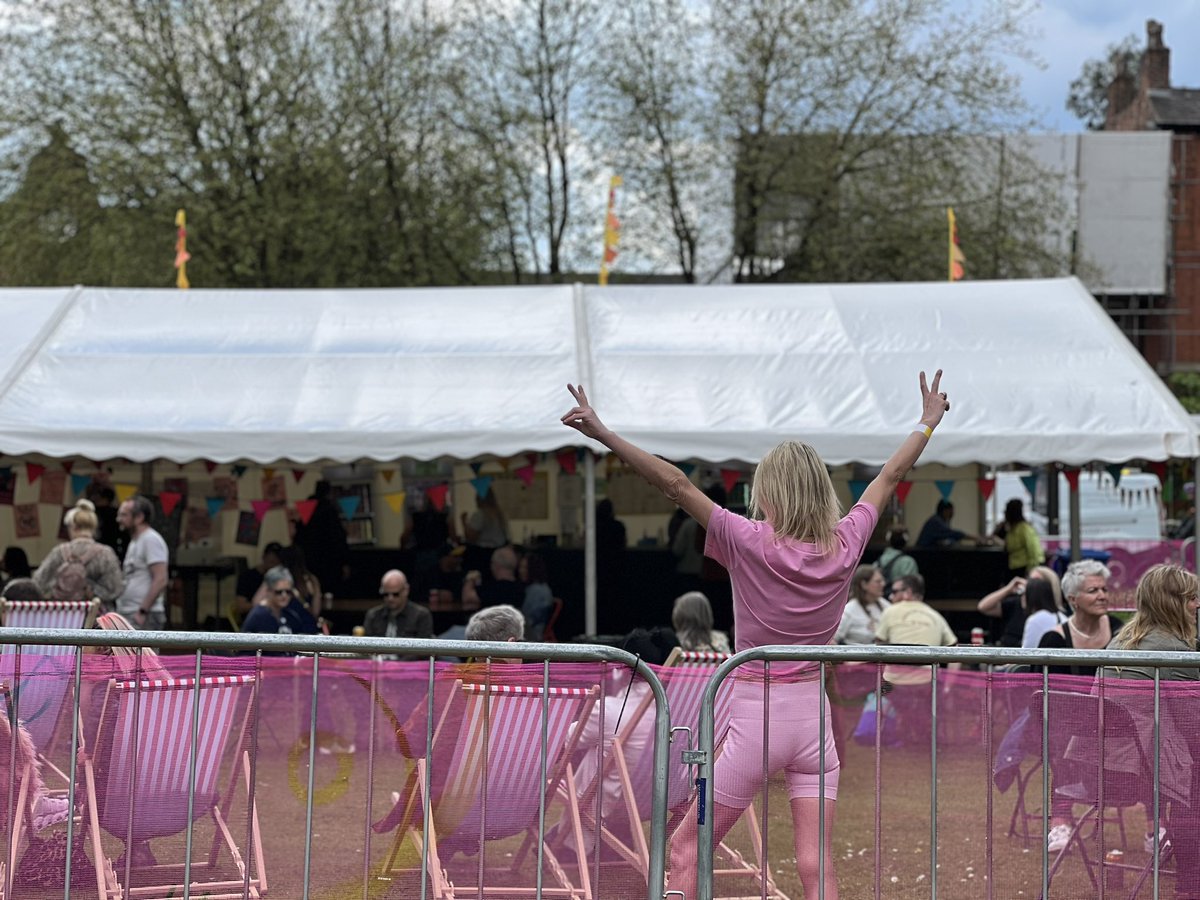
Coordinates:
<point>1167,328</point>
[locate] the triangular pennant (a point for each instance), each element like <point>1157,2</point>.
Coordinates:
<point>476,467</point>
<point>298,474</point>
<point>945,487</point>
<point>482,485</point>
<point>168,500</point>
<point>902,490</point>
<point>729,478</point>
<point>1158,468</point>
<point>68,465</point>
<point>687,469</point>
<point>857,486</point>
<point>1115,472</point>
<point>566,461</point>
<point>395,501</point>
<point>388,475</point>
<point>79,483</point>
<point>215,505</point>
<point>305,510</point>
<point>437,495</point>
<point>349,505</point>
<point>209,466</point>
<point>1030,482</point>
<point>525,473</point>
<point>33,471</point>
<point>261,508</point>
<point>238,471</point>
<point>269,472</point>
<point>1072,478</point>
<point>124,491</point>
<point>5,471</point>
<point>531,458</point>
<point>986,487</point>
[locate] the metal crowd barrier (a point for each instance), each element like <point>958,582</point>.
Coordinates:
<point>1039,660</point>
<point>320,646</point>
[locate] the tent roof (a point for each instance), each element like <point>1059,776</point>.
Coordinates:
<point>1036,372</point>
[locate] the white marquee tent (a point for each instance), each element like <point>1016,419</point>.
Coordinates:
<point>1036,371</point>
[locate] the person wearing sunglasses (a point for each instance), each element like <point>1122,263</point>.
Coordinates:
<point>396,616</point>
<point>282,613</point>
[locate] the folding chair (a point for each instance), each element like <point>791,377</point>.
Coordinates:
<point>138,784</point>
<point>1092,721</point>
<point>44,685</point>
<point>685,674</point>
<point>20,789</point>
<point>491,786</point>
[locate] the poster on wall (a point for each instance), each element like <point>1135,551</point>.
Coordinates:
<point>248,528</point>
<point>53,482</point>
<point>26,523</point>
<point>226,487</point>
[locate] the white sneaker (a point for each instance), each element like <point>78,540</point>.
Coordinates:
<point>1148,841</point>
<point>1058,838</point>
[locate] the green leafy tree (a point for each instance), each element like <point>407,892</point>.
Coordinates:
<point>1087,98</point>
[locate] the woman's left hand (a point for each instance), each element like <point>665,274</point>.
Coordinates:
<point>582,417</point>
<point>934,403</point>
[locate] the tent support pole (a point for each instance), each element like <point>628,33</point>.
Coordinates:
<point>1076,525</point>
<point>589,542</point>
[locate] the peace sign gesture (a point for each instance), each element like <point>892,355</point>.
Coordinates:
<point>582,417</point>
<point>934,403</point>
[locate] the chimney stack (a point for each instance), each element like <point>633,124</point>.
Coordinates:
<point>1156,61</point>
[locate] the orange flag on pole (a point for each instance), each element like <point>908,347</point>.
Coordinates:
<point>181,254</point>
<point>958,261</point>
<point>612,229</point>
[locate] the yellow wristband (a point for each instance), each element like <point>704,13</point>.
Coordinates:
<point>925,430</point>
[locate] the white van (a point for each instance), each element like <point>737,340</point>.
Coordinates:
<point>1129,511</point>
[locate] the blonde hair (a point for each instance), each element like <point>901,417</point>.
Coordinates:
<point>1048,575</point>
<point>81,518</point>
<point>792,491</point>
<point>1162,605</point>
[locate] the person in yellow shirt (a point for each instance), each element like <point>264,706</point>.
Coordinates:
<point>1020,540</point>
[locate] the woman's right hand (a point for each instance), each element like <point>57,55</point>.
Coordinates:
<point>583,418</point>
<point>934,403</point>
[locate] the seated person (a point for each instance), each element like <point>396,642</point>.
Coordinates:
<point>893,562</point>
<point>503,588</point>
<point>936,532</point>
<point>692,619</point>
<point>397,616</point>
<point>281,612</point>
<point>539,599</point>
<point>1007,605</point>
<point>250,581</point>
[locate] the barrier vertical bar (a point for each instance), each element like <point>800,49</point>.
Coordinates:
<point>1157,773</point>
<point>312,766</point>
<point>933,791</point>
<point>543,759</point>
<point>71,782</point>
<point>252,858</point>
<point>988,718</point>
<point>426,805</point>
<point>766,761</point>
<point>13,725</point>
<point>879,718</point>
<point>191,804</point>
<point>1046,779</point>
<point>371,716</point>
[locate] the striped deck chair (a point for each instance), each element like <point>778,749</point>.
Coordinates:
<point>46,670</point>
<point>137,786</point>
<point>684,675</point>
<point>488,785</point>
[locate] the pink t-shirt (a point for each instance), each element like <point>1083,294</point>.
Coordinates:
<point>786,591</point>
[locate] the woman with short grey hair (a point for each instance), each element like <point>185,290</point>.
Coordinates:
<point>1078,572</point>
<point>496,623</point>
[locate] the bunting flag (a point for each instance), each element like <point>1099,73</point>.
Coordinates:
<point>986,487</point>
<point>1158,468</point>
<point>476,467</point>
<point>305,510</point>
<point>525,473</point>
<point>124,491</point>
<point>388,475</point>
<point>261,508</point>
<point>437,496</point>
<point>1030,482</point>
<point>612,230</point>
<point>1072,478</point>
<point>209,466</point>
<point>269,473</point>
<point>216,504</point>
<point>482,485</point>
<point>857,486</point>
<point>958,262</point>
<point>566,461</point>
<point>532,458</point>
<point>79,483</point>
<point>68,465</point>
<point>729,478</point>
<point>298,474</point>
<point>902,490</point>
<point>945,488</point>
<point>168,500</point>
<point>349,505</point>
<point>181,254</point>
<point>238,471</point>
<point>33,471</point>
<point>1115,473</point>
<point>395,501</point>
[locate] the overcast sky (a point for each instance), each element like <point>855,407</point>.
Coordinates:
<point>1074,31</point>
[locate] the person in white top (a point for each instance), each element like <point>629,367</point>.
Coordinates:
<point>863,609</point>
<point>145,566</point>
<point>1041,611</point>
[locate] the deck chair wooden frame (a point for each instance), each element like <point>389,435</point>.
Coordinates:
<point>41,708</point>
<point>683,696</point>
<point>21,813</point>
<point>143,753</point>
<point>497,728</point>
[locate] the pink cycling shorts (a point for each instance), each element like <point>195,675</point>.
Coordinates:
<point>794,744</point>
